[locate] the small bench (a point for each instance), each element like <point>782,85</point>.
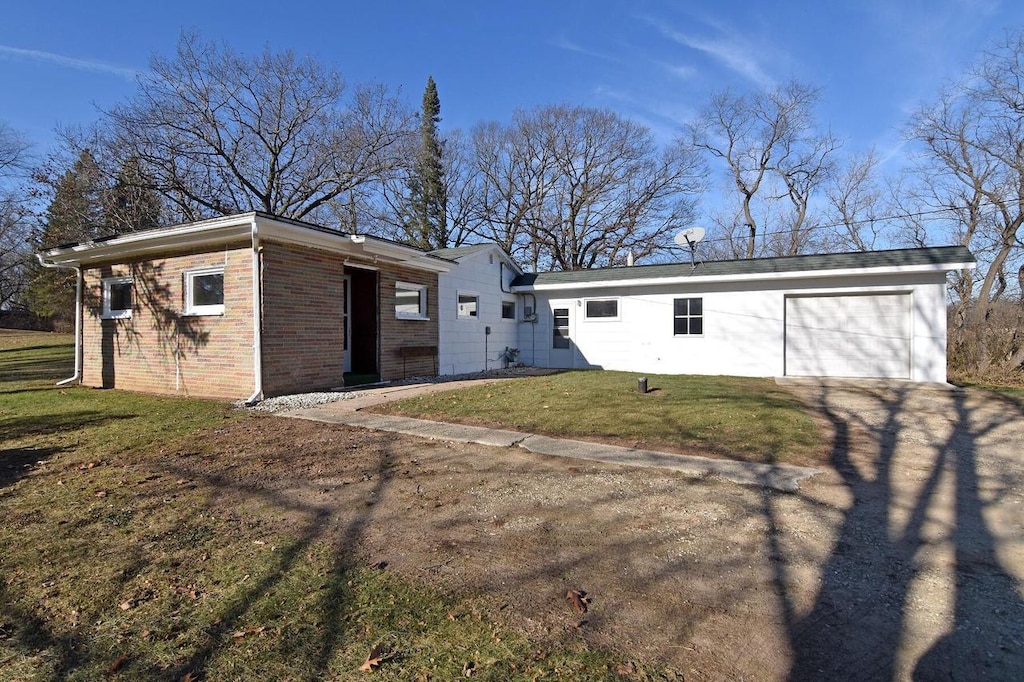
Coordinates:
<point>406,352</point>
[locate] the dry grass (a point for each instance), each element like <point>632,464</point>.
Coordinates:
<point>132,547</point>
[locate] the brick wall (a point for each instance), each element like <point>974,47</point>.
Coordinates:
<point>161,350</point>
<point>395,332</point>
<point>302,319</point>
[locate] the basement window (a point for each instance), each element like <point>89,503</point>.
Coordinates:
<point>410,301</point>
<point>117,298</point>
<point>688,316</point>
<point>204,291</point>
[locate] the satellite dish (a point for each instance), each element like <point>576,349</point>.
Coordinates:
<point>690,236</point>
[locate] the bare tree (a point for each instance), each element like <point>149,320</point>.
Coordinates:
<point>384,207</point>
<point>14,150</point>
<point>513,169</point>
<point>218,132</point>
<point>971,164</point>
<point>14,215</point>
<point>575,187</point>
<point>461,189</point>
<point>859,208</point>
<point>775,160</point>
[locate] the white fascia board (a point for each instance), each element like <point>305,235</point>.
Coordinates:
<point>242,227</point>
<point>135,244</point>
<point>406,255</point>
<point>699,279</point>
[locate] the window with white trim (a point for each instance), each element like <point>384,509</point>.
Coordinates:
<point>410,301</point>
<point>601,309</point>
<point>688,314</point>
<point>117,298</point>
<point>508,310</point>
<point>204,291</point>
<point>469,306</point>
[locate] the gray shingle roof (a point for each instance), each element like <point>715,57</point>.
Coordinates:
<point>832,261</point>
<point>457,252</point>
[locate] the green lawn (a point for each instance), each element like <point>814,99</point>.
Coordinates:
<point>750,419</point>
<point>129,550</point>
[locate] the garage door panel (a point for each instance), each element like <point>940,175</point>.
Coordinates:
<point>848,336</point>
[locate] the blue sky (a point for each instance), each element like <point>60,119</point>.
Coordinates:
<point>654,61</point>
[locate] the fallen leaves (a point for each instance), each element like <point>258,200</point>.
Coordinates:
<point>241,634</point>
<point>377,656</point>
<point>579,600</point>
<point>117,665</point>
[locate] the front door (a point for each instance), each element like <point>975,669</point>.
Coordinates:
<point>560,338</point>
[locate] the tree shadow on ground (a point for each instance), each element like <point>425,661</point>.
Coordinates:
<point>900,531</point>
<point>15,463</point>
<point>319,524</point>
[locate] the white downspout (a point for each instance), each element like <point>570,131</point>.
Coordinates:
<point>78,317</point>
<point>257,320</point>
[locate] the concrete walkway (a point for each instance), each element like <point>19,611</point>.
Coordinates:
<point>783,477</point>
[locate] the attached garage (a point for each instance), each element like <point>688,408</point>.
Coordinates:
<point>874,314</point>
<point>866,336</point>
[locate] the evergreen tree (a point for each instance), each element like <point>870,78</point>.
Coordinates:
<point>427,226</point>
<point>75,214</point>
<point>132,203</point>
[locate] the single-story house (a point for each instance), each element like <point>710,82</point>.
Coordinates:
<point>251,306</point>
<point>873,314</point>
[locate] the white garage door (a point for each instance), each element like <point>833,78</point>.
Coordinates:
<point>848,336</point>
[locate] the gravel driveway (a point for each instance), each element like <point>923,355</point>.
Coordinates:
<point>904,560</point>
<point>926,576</point>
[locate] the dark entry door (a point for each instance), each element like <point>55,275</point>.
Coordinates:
<point>362,320</point>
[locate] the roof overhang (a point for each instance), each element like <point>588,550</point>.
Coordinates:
<point>750,277</point>
<point>232,229</point>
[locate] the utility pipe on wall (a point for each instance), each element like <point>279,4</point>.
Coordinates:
<point>78,317</point>
<point>257,319</point>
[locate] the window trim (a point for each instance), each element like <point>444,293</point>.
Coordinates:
<point>421,289</point>
<point>193,310</point>
<point>458,311</point>
<point>511,302</point>
<point>688,316</point>
<point>618,310</point>
<point>555,327</point>
<point>120,313</point>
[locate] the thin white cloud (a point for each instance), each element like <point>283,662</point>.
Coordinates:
<point>67,62</point>
<point>732,52</point>
<point>564,43</point>
<point>682,71</point>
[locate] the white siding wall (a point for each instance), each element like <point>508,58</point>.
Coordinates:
<point>744,326</point>
<point>463,341</point>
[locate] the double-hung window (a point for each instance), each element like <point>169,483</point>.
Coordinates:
<point>204,291</point>
<point>117,298</point>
